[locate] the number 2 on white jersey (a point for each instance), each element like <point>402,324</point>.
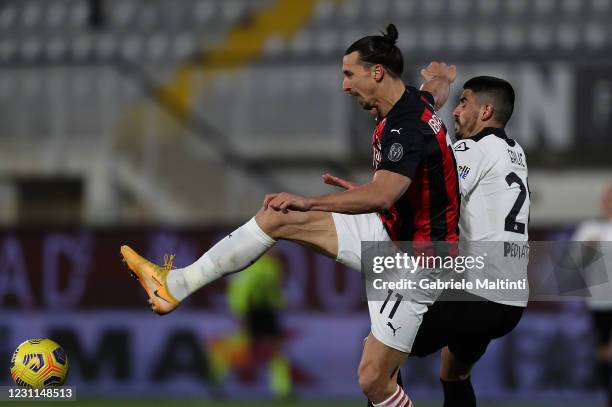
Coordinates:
<point>510,224</point>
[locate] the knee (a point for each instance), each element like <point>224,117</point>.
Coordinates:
<point>452,369</point>
<point>603,354</point>
<point>372,382</point>
<point>271,222</point>
<point>454,376</point>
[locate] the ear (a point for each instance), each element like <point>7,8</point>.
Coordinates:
<point>487,112</point>
<point>378,72</point>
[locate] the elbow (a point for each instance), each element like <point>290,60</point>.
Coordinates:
<point>383,194</point>
<point>384,204</point>
<point>436,99</point>
<point>439,101</point>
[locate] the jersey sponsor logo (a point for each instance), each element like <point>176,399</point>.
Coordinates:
<point>397,130</point>
<point>461,146</point>
<point>377,154</point>
<point>435,123</point>
<point>464,170</point>
<point>518,251</point>
<point>396,152</point>
<point>376,143</point>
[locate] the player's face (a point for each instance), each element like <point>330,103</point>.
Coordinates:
<point>466,115</point>
<point>359,81</point>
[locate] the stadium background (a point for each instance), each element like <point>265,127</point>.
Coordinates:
<point>163,123</point>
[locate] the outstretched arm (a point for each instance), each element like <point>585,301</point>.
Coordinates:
<point>439,77</point>
<point>379,194</point>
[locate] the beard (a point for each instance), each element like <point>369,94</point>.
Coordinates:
<point>465,125</point>
<point>365,104</point>
<point>458,132</point>
<point>368,106</point>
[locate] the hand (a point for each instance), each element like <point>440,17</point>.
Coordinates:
<point>339,182</point>
<point>285,201</point>
<point>439,70</point>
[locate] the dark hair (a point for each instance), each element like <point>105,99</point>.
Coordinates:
<point>498,91</point>
<point>380,49</point>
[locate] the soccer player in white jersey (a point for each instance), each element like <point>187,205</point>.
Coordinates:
<point>599,303</point>
<point>494,208</point>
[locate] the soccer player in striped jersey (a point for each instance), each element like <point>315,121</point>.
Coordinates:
<point>412,195</point>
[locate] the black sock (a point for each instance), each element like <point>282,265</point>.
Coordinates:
<point>458,393</point>
<point>604,375</point>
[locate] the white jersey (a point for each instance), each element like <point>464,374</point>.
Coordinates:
<point>495,207</point>
<point>598,232</point>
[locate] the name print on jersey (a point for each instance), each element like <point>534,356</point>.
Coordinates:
<point>435,123</point>
<point>516,157</point>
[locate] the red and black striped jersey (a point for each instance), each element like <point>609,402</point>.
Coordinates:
<point>412,141</point>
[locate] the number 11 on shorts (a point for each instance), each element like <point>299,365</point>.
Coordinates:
<point>399,298</point>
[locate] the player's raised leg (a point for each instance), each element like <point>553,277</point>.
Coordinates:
<point>166,288</point>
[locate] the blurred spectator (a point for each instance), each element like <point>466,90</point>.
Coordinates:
<point>600,300</point>
<point>256,297</point>
<point>96,14</point>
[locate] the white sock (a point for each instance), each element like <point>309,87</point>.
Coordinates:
<point>233,253</point>
<point>398,399</point>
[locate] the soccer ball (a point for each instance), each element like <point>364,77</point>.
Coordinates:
<point>39,362</point>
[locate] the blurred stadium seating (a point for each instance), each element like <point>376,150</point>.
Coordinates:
<point>133,96</point>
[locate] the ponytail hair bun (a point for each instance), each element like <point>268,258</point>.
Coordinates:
<point>391,35</point>
<point>380,49</point>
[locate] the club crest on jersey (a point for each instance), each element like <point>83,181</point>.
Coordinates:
<point>396,152</point>
<point>461,146</point>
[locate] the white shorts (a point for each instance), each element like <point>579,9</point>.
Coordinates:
<point>354,229</point>
<point>396,330</point>
<point>397,322</point>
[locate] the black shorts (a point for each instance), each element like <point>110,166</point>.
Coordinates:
<point>602,321</point>
<point>466,326</point>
